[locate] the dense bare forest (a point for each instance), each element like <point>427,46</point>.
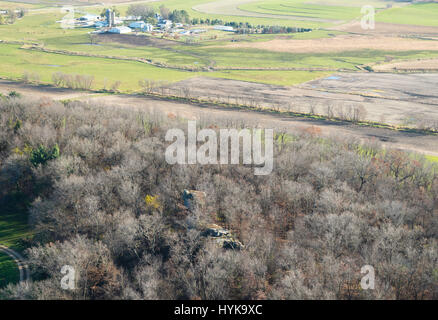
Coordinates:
<point>101,198</point>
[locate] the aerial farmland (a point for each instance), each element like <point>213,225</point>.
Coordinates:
<point>88,90</point>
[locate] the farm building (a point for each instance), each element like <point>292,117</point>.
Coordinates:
<point>120,30</point>
<point>101,24</point>
<point>197,31</point>
<point>165,24</point>
<point>133,18</point>
<point>224,28</point>
<point>141,25</point>
<point>89,17</point>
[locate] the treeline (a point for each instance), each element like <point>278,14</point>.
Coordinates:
<point>73,81</point>
<point>148,13</point>
<point>60,79</point>
<point>246,27</point>
<point>271,30</point>
<point>103,200</point>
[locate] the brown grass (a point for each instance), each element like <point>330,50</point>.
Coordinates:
<point>340,44</point>
<point>382,28</point>
<point>415,65</point>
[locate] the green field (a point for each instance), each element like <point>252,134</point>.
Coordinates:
<point>16,61</point>
<point>433,159</point>
<point>225,57</point>
<point>422,14</point>
<point>41,27</point>
<point>16,5</point>
<point>13,225</point>
<point>37,27</point>
<point>8,270</point>
<point>301,8</point>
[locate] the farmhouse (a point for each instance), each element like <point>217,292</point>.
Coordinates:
<point>120,30</point>
<point>165,24</point>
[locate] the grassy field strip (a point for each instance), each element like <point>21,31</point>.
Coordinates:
<point>301,10</point>
<point>184,68</point>
<point>23,268</point>
<point>13,226</point>
<point>86,54</point>
<point>16,61</point>
<point>8,270</point>
<point>379,4</point>
<point>232,7</point>
<point>17,5</point>
<point>433,159</point>
<point>230,57</point>
<point>421,14</point>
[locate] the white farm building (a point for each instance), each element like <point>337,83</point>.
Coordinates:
<point>224,28</point>
<point>141,25</point>
<point>89,17</point>
<point>120,30</point>
<point>165,24</point>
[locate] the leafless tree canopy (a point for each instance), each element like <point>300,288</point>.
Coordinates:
<point>109,205</point>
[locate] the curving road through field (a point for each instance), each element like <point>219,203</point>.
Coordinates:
<point>19,260</point>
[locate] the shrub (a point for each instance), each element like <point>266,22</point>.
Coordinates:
<point>42,154</point>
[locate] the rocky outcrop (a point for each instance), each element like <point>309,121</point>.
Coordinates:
<point>196,199</point>
<point>223,237</point>
<point>193,198</point>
